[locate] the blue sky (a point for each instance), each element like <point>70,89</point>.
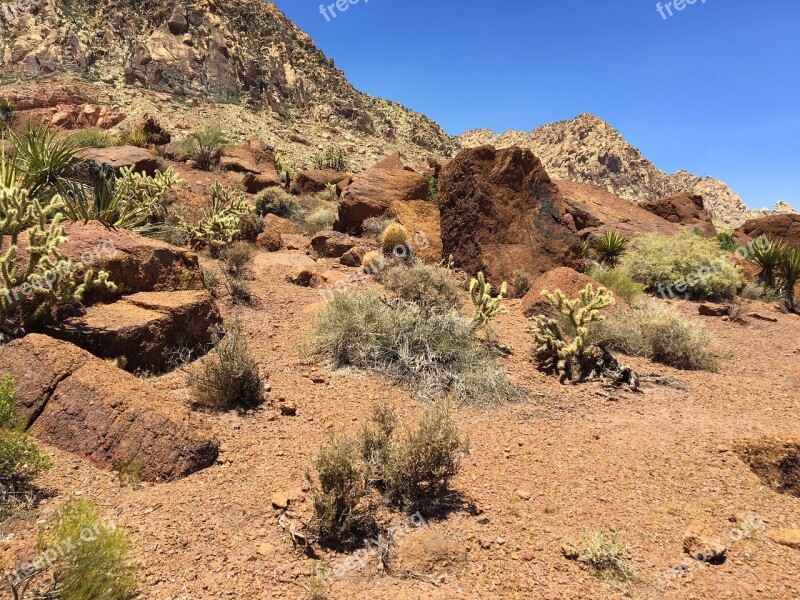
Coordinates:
<point>714,89</point>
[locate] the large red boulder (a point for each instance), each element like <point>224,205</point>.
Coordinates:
<point>119,157</point>
<point>683,208</point>
<point>314,181</point>
<point>501,212</point>
<point>93,409</point>
<point>372,192</point>
<point>784,227</point>
<point>568,281</point>
<point>423,222</point>
<point>594,211</point>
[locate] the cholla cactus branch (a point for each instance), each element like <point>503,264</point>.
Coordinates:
<point>486,307</point>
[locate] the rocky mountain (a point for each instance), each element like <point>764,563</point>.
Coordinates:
<point>588,150</point>
<point>212,54</point>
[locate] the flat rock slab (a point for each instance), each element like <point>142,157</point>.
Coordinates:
<point>119,157</point>
<point>95,410</point>
<point>143,330</point>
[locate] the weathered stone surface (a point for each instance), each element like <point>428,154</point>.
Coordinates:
<point>568,281</point>
<point>149,127</point>
<point>701,545</point>
<point>423,222</point>
<point>776,461</point>
<point>595,211</point>
<point>780,227</point>
<point>683,208</point>
<point>118,157</point>
<point>428,552</point>
<point>501,212</point>
<point>785,537</point>
<point>143,331</point>
<point>332,244</point>
<point>354,256</point>
<point>316,180</point>
<point>81,404</point>
<point>372,192</point>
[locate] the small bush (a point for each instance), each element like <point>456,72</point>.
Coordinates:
<point>434,352</point>
<point>682,265</point>
<point>250,226</point>
<point>420,466</point>
<point>754,290</point>
<point>339,489</point>
<point>136,138</point>
<point>94,138</point>
<point>276,201</point>
<point>617,281</point>
<point>604,553</point>
<point>725,241</point>
<point>333,158</point>
<point>98,564</point>
<point>238,257</point>
<point>657,331</point>
<point>522,283</point>
<point>428,286</point>
<point>375,226</point>
<point>610,246</point>
<point>320,219</point>
<point>204,147</point>
<point>228,377</point>
<point>20,459</point>
<point>375,442</point>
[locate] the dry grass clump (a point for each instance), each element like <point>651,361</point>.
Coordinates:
<point>237,258</point>
<point>618,281</point>
<point>605,554</point>
<point>522,283</point>
<point>228,377</point>
<point>434,352</point>
<point>375,226</point>
<point>426,285</point>
<point>657,331</point>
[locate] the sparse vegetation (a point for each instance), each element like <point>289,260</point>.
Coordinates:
<point>394,241</point>
<point>204,147</point>
<point>7,112</point>
<point>610,246</point>
<point>98,565</point>
<point>237,258</point>
<point>375,226</point>
<point>682,265</point>
<point>94,138</point>
<point>767,254</point>
<point>428,286</point>
<point>618,281</point>
<point>136,138</point>
<point>753,290</point>
<point>790,273</point>
<point>522,283</point>
<point>20,458</point>
<point>603,552</point>
<point>222,224</point>
<point>228,377</point>
<point>320,219</point>
<point>333,158</point>
<point>278,202</point>
<point>434,352</point>
<point>657,331</point>
<point>725,241</point>
<point>486,306</point>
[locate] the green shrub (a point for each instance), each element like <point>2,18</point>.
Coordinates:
<point>7,112</point>
<point>375,441</point>
<point>603,552</point>
<point>97,563</point>
<point>725,241</point>
<point>339,487</point>
<point>753,290</point>
<point>618,281</point>
<point>657,331</point>
<point>767,254</point>
<point>46,162</point>
<point>434,352</point>
<point>204,147</point>
<point>683,265</point>
<point>278,202</point>
<point>790,273</point>
<point>94,138</point>
<point>320,219</point>
<point>228,377</point>
<point>429,286</point>
<point>136,138</point>
<point>433,188</point>
<point>333,158</point>
<point>20,459</point>
<point>375,226</point>
<point>610,246</point>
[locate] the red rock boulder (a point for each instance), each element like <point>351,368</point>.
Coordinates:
<point>501,212</point>
<point>784,227</point>
<point>568,281</point>
<point>118,157</point>
<point>684,208</point>
<point>317,180</point>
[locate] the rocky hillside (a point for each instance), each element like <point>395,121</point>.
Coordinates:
<point>588,150</point>
<point>232,53</point>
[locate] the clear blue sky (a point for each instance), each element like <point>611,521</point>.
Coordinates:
<point>714,89</point>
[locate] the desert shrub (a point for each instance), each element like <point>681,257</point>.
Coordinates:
<point>222,224</point>
<point>657,331</point>
<point>419,466</point>
<point>98,563</point>
<point>136,138</point>
<point>237,258</point>
<point>684,265</point>
<point>7,112</point>
<point>94,138</point>
<point>434,352</point>
<point>429,286</point>
<point>603,552</point>
<point>228,377</point>
<point>554,348</point>
<point>610,246</point>
<point>725,241</point>
<point>333,158</point>
<point>375,226</point>
<point>753,290</point>
<point>320,219</point>
<point>617,281</point>
<point>204,147</point>
<point>238,291</point>
<point>790,273</point>
<point>767,253</point>
<point>374,442</point>
<point>276,201</point>
<point>522,283</point>
<point>339,487</point>
<point>45,161</point>
<point>433,188</point>
<point>250,226</point>
<point>20,459</point>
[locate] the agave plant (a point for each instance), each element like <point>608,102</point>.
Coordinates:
<point>767,253</point>
<point>47,161</point>
<point>790,271</point>
<point>610,246</point>
<point>7,111</point>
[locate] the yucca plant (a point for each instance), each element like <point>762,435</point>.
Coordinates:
<point>610,246</point>
<point>790,271</point>
<point>46,160</point>
<point>7,111</point>
<point>767,253</point>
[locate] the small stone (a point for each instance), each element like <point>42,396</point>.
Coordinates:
<point>524,494</point>
<point>288,409</point>
<point>280,500</point>
<point>266,549</point>
<point>785,537</point>
<point>698,543</point>
<point>570,552</point>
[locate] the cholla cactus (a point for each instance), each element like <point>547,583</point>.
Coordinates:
<point>47,276</point>
<point>221,226</point>
<point>486,307</point>
<point>552,347</point>
<point>394,236</point>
